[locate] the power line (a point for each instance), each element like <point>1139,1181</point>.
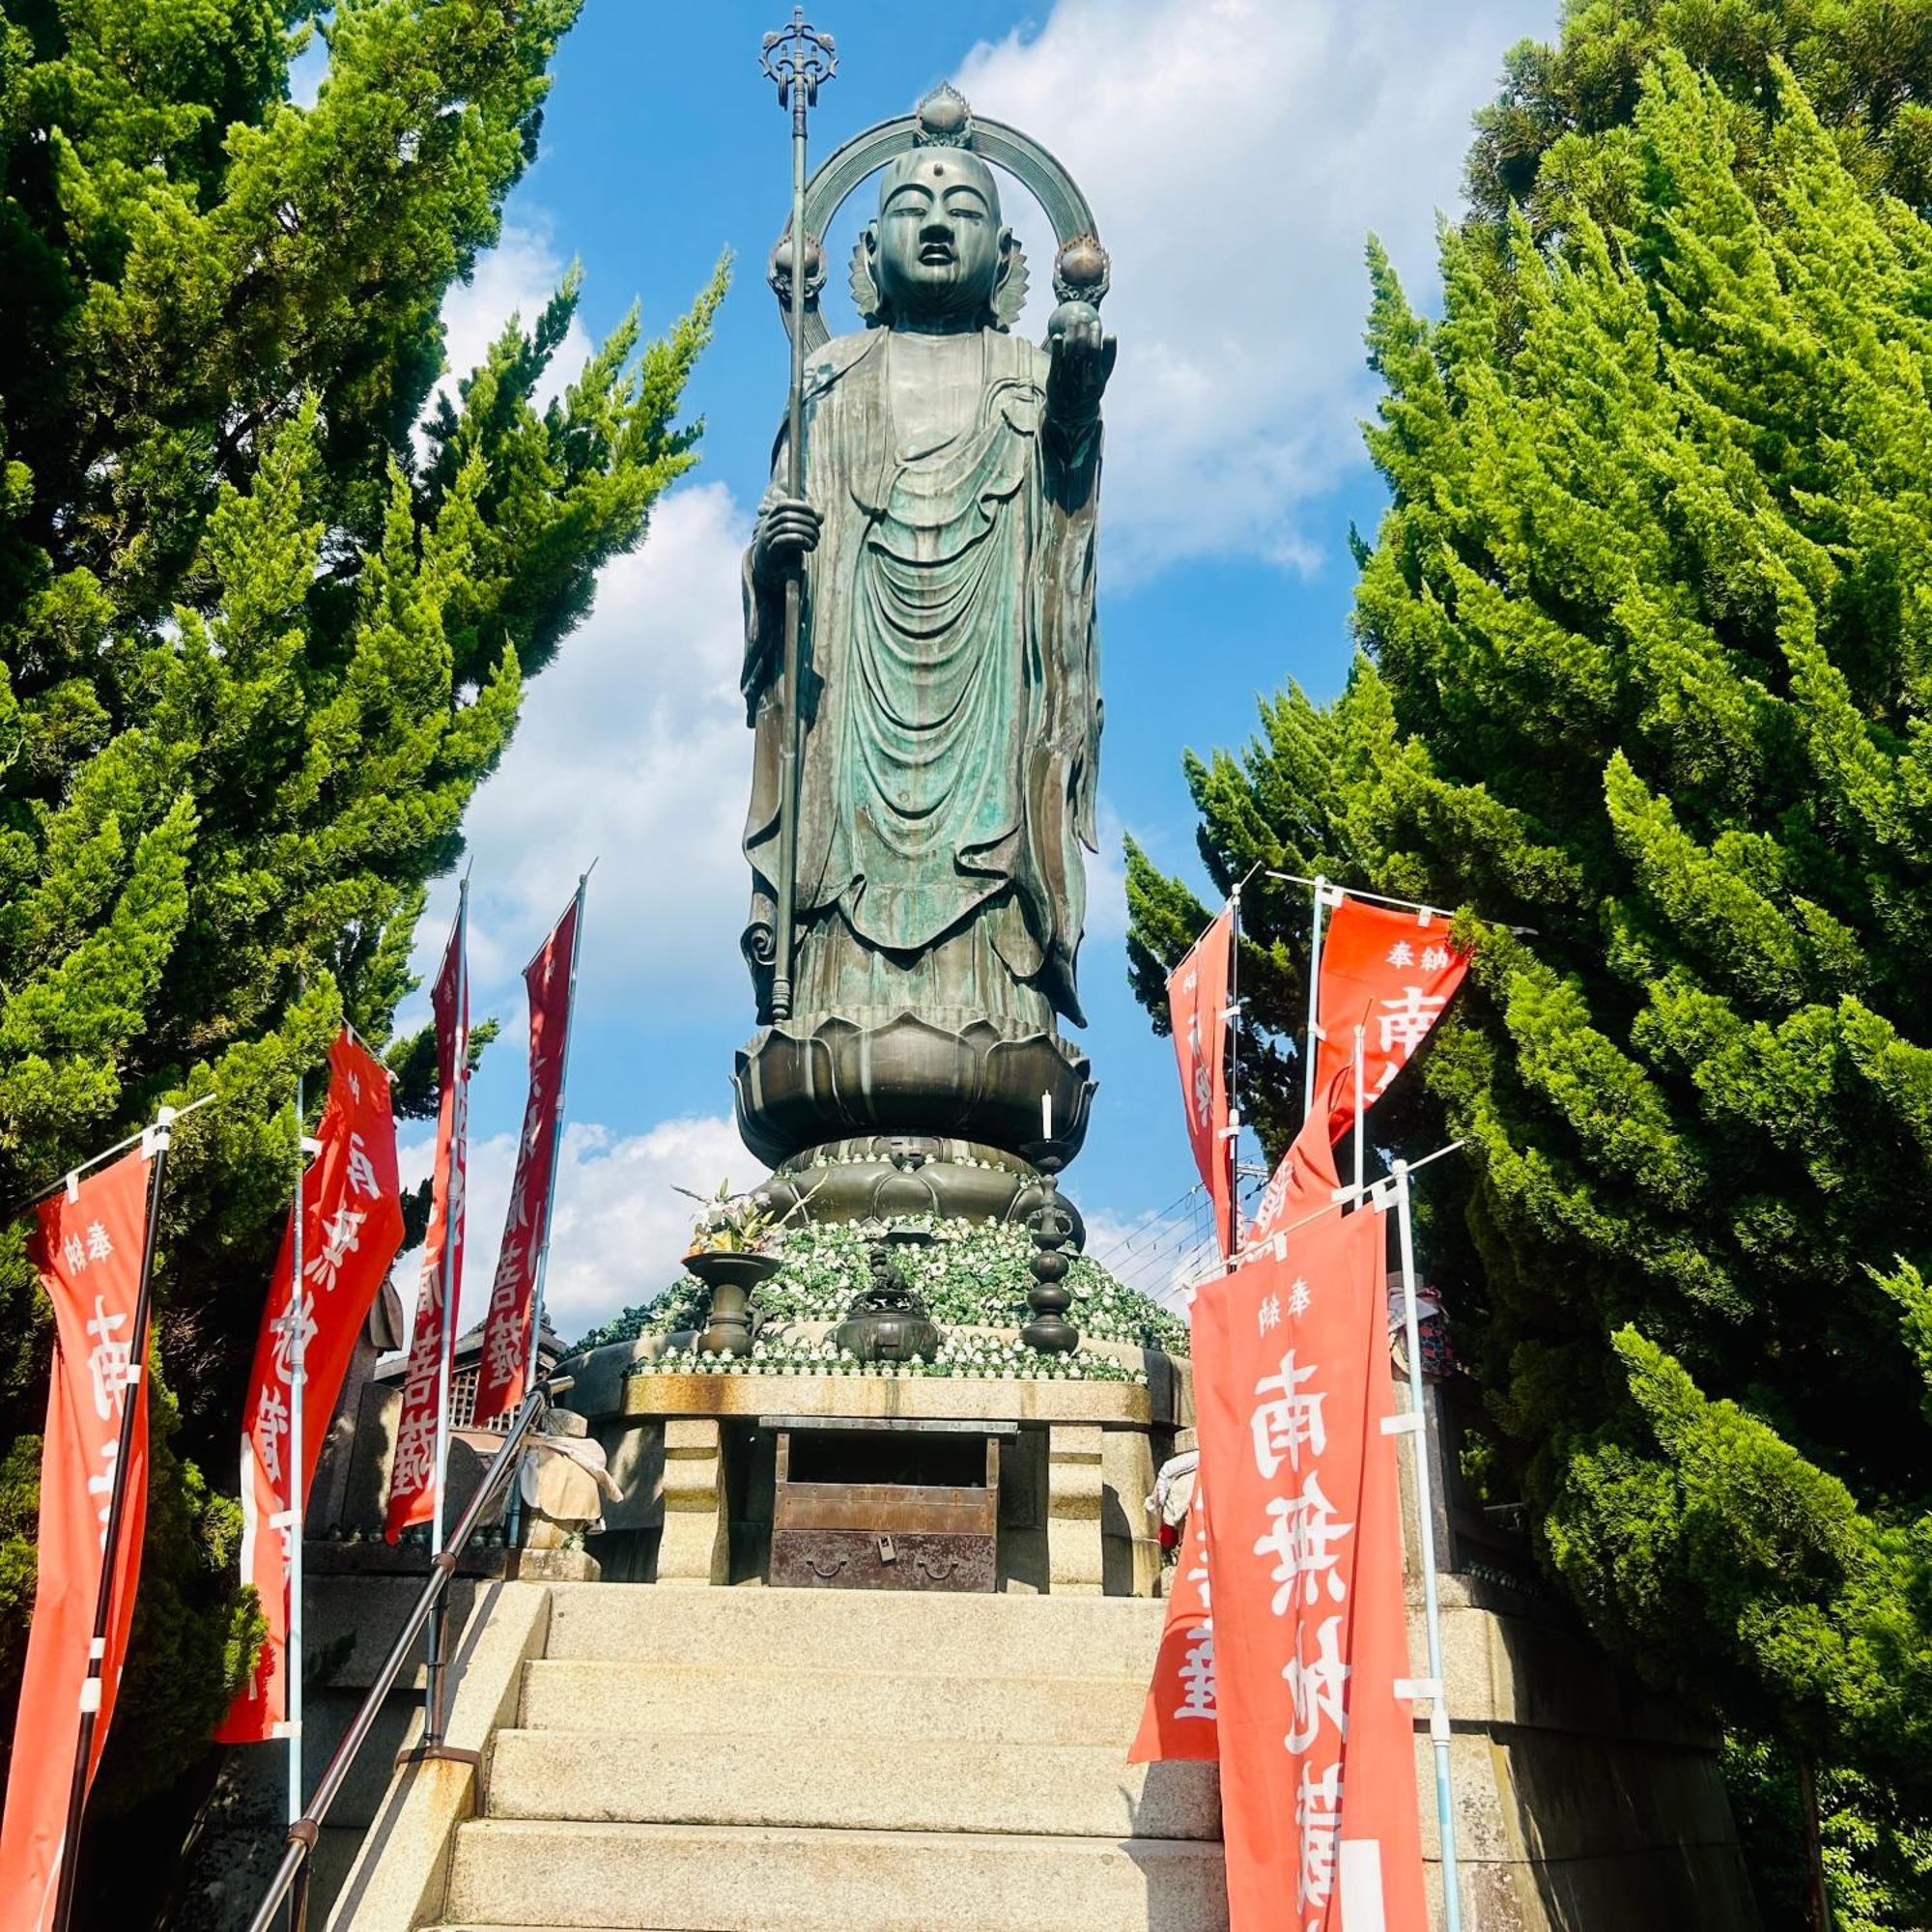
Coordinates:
<point>1127,1242</point>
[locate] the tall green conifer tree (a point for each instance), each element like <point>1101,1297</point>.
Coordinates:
<point>1561,132</point>
<point>257,650</point>
<point>1647,667</point>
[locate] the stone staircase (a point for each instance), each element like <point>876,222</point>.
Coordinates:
<point>757,1760</point>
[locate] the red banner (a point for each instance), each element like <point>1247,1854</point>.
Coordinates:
<point>1302,1186</point>
<point>1306,1179</point>
<point>1197,1004</point>
<point>1179,1721</point>
<point>88,1249</point>
<point>504,1375</point>
<point>414,1473</point>
<point>352,1226</point>
<point>1318,1769</point>
<point>1391,972</point>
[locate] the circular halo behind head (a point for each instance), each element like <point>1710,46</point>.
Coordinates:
<point>1082,270</point>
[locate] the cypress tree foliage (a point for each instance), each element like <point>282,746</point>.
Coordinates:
<point>1559,132</point>
<point>257,649</point>
<point>1648,668</point>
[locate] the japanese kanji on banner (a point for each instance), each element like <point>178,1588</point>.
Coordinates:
<point>413,1474</point>
<point>88,1248</point>
<point>1197,1004</point>
<point>352,1226</point>
<point>1179,1721</point>
<point>507,1339</point>
<point>1318,1767</point>
<point>1391,972</point>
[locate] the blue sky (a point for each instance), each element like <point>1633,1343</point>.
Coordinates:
<point>1236,154</point>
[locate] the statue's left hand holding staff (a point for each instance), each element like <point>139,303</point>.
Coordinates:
<point>785,535</point>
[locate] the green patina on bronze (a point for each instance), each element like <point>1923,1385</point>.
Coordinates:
<point>949,688</point>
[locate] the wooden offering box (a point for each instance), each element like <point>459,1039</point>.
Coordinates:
<point>875,1503</point>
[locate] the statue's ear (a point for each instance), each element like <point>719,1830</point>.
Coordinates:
<point>1010,284</point>
<point>864,283</point>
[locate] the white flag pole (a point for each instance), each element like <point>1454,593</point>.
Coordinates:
<point>1336,894</point>
<point>452,1208</point>
<point>1416,1423</point>
<point>66,1874</point>
<point>292,1521</point>
<point>1361,1110</point>
<point>1320,885</point>
<point>1234,1019</point>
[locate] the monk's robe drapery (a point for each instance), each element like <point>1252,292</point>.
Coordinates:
<point>952,709</point>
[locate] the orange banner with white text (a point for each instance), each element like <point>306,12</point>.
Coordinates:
<point>1197,1005</point>
<point>414,1474</point>
<point>508,1340</point>
<point>1179,1719</point>
<point>1391,972</point>
<point>352,1226</point>
<point>1317,1770</point>
<point>88,1247</point>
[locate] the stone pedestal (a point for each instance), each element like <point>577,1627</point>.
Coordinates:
<point>1130,1540</point>
<point>696,1547</point>
<point>1076,1562</point>
<point>697,1472</point>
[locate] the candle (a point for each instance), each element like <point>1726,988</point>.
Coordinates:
<point>1047,1116</point>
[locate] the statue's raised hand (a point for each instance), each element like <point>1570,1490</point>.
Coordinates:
<point>1082,359</point>
<point>786,531</point>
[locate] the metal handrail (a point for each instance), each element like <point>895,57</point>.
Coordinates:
<point>290,1879</point>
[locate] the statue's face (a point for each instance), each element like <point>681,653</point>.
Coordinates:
<point>937,247</point>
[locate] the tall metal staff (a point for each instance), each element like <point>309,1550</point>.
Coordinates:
<point>799,58</point>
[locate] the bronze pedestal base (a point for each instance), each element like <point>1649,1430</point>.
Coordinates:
<point>823,1078</point>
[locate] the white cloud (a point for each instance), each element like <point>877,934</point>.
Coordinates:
<point>631,751</point>
<point>1237,152</point>
<point>620,1223</point>
<point>517,277</point>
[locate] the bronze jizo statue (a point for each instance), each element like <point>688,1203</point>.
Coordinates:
<point>942,542</point>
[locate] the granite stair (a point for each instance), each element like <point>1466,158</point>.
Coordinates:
<point>758,1760</point>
